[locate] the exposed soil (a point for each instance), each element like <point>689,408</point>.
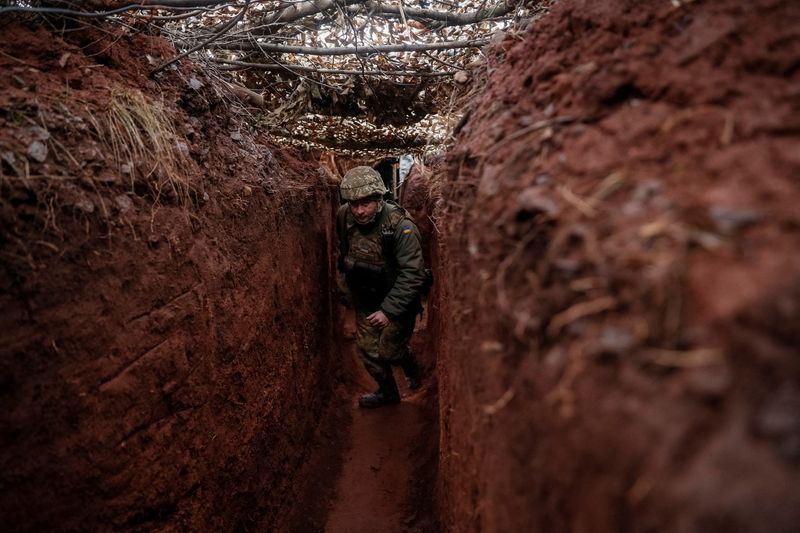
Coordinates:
<point>610,344</point>
<point>378,487</point>
<point>158,370</point>
<point>620,273</point>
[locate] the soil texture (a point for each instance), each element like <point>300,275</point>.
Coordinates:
<point>619,275</point>
<point>376,489</point>
<point>166,334</point>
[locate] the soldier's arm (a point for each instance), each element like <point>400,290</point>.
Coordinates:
<point>404,294</point>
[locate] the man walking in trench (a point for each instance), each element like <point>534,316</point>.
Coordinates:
<point>380,255</point>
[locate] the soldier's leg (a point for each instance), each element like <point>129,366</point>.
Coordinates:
<point>393,342</point>
<point>368,340</point>
<point>399,353</point>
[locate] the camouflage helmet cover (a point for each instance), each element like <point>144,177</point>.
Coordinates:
<point>361,182</point>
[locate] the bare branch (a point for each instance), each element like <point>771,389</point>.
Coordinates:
<point>353,50</point>
<point>129,6</point>
<point>303,9</point>
<point>446,17</point>
<point>205,43</point>
<point>355,144</point>
<point>168,4</point>
<point>290,68</point>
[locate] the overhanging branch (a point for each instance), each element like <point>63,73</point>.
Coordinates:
<point>447,18</point>
<point>352,50</point>
<point>353,144</point>
<point>274,67</point>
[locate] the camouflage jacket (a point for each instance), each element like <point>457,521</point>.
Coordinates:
<point>382,261</point>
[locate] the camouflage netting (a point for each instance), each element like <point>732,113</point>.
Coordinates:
<point>356,77</point>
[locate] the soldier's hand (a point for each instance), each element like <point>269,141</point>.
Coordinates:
<point>378,320</point>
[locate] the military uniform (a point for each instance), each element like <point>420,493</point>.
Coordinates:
<point>384,270</point>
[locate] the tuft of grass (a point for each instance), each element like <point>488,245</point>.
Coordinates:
<point>139,134</point>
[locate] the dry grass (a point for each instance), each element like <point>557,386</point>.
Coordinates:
<point>140,136</point>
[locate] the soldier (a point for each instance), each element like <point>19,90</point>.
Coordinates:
<point>380,255</point>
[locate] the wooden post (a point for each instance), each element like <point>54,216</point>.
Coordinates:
<point>395,171</point>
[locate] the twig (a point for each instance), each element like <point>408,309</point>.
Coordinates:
<point>560,121</point>
<point>162,5</point>
<point>579,311</point>
<point>205,43</point>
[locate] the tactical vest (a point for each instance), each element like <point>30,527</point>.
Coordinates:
<point>367,255</point>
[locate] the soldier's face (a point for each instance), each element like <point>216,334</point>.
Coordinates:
<point>365,209</point>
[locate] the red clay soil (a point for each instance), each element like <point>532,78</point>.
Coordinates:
<point>385,471</point>
<point>620,276</point>
<point>370,470</point>
<point>166,333</point>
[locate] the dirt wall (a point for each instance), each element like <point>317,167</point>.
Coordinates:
<point>619,275</point>
<point>165,331</point>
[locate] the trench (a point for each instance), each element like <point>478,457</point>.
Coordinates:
<point>610,345</point>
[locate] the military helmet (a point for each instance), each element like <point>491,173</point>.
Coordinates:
<point>360,182</point>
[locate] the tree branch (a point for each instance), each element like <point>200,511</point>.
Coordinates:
<point>162,4</point>
<point>205,43</point>
<point>167,5</point>
<point>446,17</point>
<point>300,68</point>
<point>352,50</point>
<point>303,9</point>
<point>353,144</point>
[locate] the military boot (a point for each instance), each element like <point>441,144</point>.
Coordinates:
<point>411,370</point>
<point>387,394</point>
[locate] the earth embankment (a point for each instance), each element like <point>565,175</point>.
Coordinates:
<point>166,325</point>
<point>619,275</point>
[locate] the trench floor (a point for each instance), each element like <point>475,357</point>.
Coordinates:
<point>383,473</point>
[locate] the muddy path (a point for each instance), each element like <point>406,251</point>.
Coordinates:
<point>371,470</point>
<point>374,490</point>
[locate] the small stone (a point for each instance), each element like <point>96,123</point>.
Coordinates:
<point>711,382</point>
<point>126,168</point>
<point>533,201</point>
<point>236,136</point>
<point>37,150</point>
<point>647,190</point>
<point>248,190</point>
<point>616,340</point>
<point>194,83</point>
<point>205,197</point>
<point>586,68</point>
<point>461,77</point>
<point>85,205</point>
<point>567,266</point>
<point>729,219</point>
<point>182,148</point>
<point>124,203</point>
